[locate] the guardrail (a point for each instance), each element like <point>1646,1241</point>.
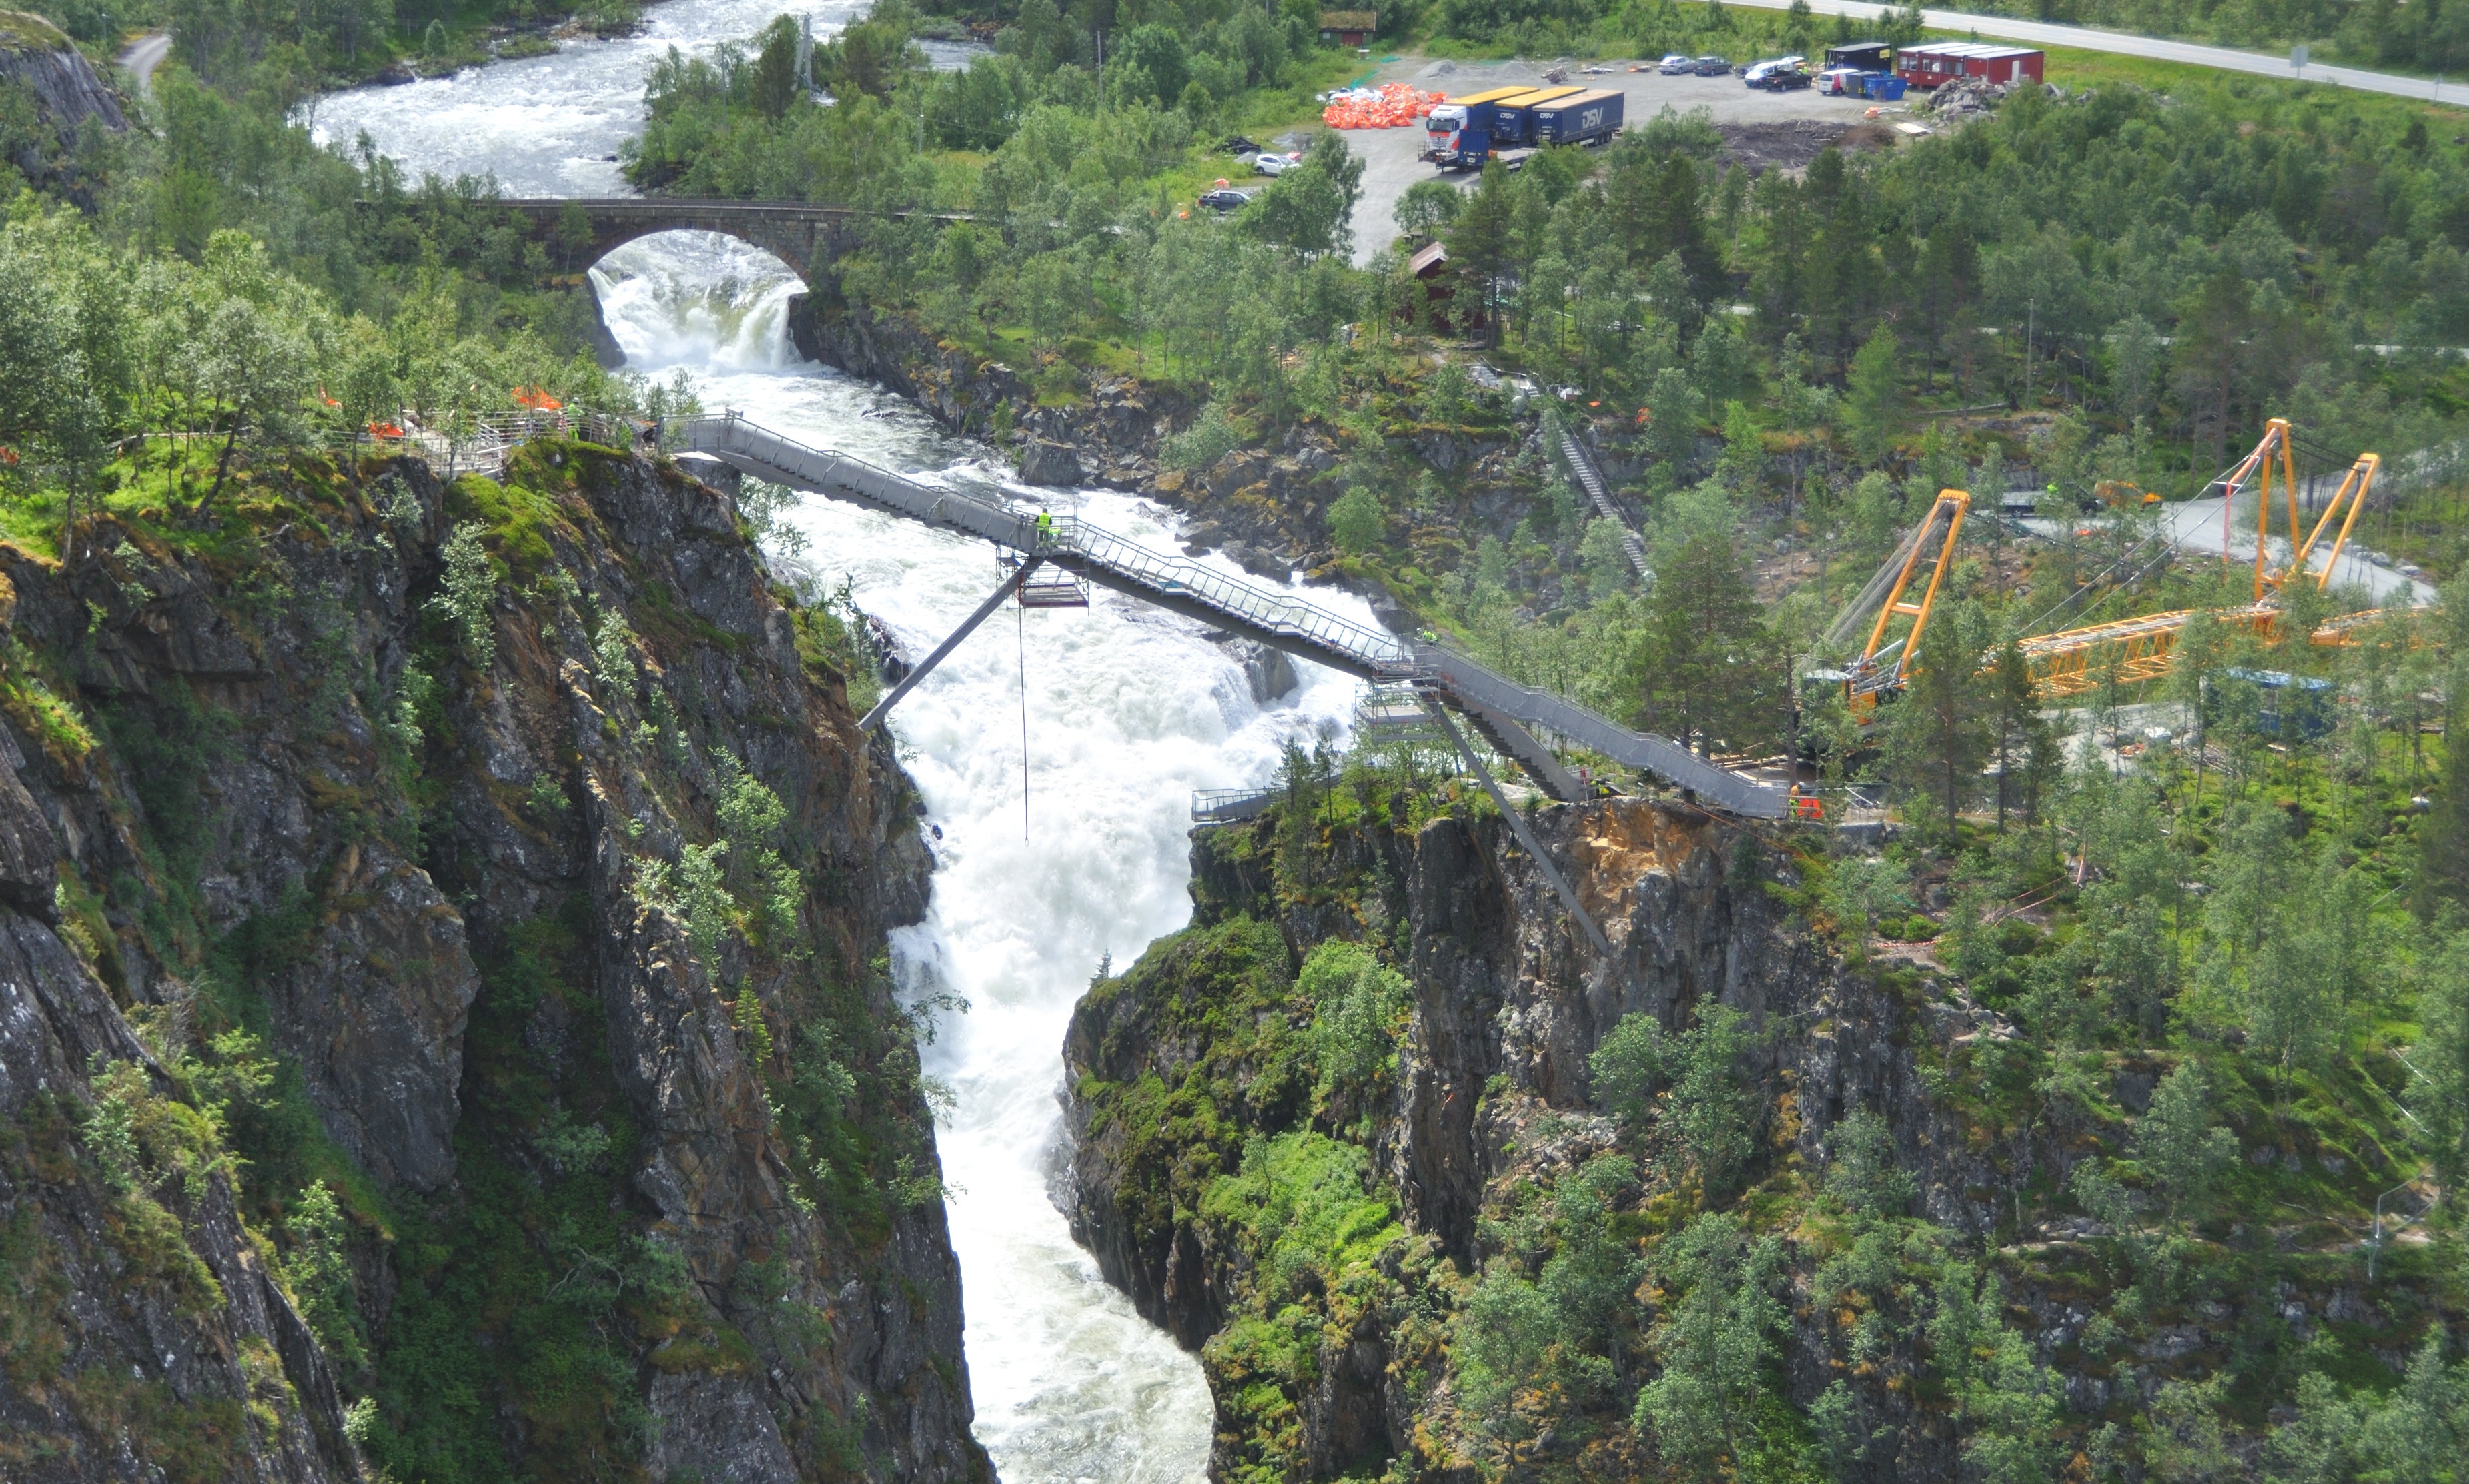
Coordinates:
<point>1230,806</point>
<point>1465,677</point>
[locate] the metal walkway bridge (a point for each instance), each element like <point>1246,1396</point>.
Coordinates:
<point>1499,707</point>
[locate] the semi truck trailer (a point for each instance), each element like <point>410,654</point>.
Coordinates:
<point>1590,118</point>
<point>1464,132</point>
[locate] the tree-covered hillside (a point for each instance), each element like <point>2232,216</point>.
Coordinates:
<point>2094,1108</point>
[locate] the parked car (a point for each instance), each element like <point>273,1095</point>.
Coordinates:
<point>1713,66</point>
<point>1840,81</point>
<point>1777,75</point>
<point>1226,200</point>
<point>1676,65</point>
<point>1269,164</point>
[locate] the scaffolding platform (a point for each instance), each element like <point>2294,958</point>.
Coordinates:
<point>1053,588</point>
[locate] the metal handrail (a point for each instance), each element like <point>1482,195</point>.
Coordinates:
<point>1278,619</point>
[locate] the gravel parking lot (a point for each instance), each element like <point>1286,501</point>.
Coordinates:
<point>1390,165</point>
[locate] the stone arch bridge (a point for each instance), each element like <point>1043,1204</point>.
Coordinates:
<point>582,230</point>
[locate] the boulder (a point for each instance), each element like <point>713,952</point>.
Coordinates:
<point>1045,462</point>
<point>1268,673</point>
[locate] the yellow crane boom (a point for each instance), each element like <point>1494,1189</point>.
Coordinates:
<point>1882,666</point>
<point>2257,466</point>
<point>2072,661</point>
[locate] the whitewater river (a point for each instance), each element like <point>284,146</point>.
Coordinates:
<point>1128,711</point>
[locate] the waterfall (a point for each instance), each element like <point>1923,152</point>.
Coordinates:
<point>1040,872</point>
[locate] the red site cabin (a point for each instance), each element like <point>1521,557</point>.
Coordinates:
<point>1935,63</point>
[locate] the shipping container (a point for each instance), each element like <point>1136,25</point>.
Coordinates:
<point>1590,118</point>
<point>1863,56</point>
<point>1936,63</point>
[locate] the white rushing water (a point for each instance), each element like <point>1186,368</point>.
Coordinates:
<point>552,125</point>
<point>1128,711</point>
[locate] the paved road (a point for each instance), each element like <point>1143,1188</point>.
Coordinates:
<point>2085,39</point>
<point>142,55</point>
<point>2193,528</point>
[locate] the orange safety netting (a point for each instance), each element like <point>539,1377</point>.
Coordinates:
<point>1392,106</point>
<point>536,399</point>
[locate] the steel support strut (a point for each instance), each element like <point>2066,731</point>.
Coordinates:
<point>926,666</point>
<point>1517,827</point>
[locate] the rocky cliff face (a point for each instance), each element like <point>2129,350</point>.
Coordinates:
<point>494,869</point>
<point>1488,1104</point>
<point>64,100</point>
<point>1109,437</point>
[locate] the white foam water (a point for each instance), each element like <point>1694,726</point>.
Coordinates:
<point>1048,863</point>
<point>553,124</point>
<point>1046,866</point>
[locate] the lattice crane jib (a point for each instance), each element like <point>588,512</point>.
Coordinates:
<point>1874,675</point>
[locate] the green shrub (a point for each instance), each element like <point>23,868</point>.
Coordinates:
<point>320,1271</point>
<point>468,594</point>
<point>1304,1200</point>
<point>1356,1004</point>
<point>1357,520</point>
<point>1627,1067</point>
<point>1210,438</point>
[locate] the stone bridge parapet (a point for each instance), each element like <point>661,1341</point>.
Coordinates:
<point>582,230</point>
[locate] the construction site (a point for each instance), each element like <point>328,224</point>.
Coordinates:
<point>2277,525</point>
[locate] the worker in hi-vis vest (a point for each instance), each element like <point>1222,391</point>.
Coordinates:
<point>1044,529</point>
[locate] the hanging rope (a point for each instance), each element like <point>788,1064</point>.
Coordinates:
<point>1020,629</point>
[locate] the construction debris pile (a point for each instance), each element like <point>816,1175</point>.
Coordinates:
<point>1963,100</point>
<point>1390,105</point>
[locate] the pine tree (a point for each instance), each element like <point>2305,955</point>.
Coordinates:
<point>1875,400</point>
<point>1939,732</point>
<point>1700,667</point>
<point>1479,241</point>
<point>2014,721</point>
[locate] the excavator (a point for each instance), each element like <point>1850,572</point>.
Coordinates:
<point>2072,661</point>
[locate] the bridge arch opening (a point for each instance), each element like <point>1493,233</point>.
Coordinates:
<point>680,297</point>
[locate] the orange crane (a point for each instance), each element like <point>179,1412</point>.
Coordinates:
<point>1884,665</point>
<point>2072,661</point>
<point>2258,465</point>
<point>2075,660</point>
